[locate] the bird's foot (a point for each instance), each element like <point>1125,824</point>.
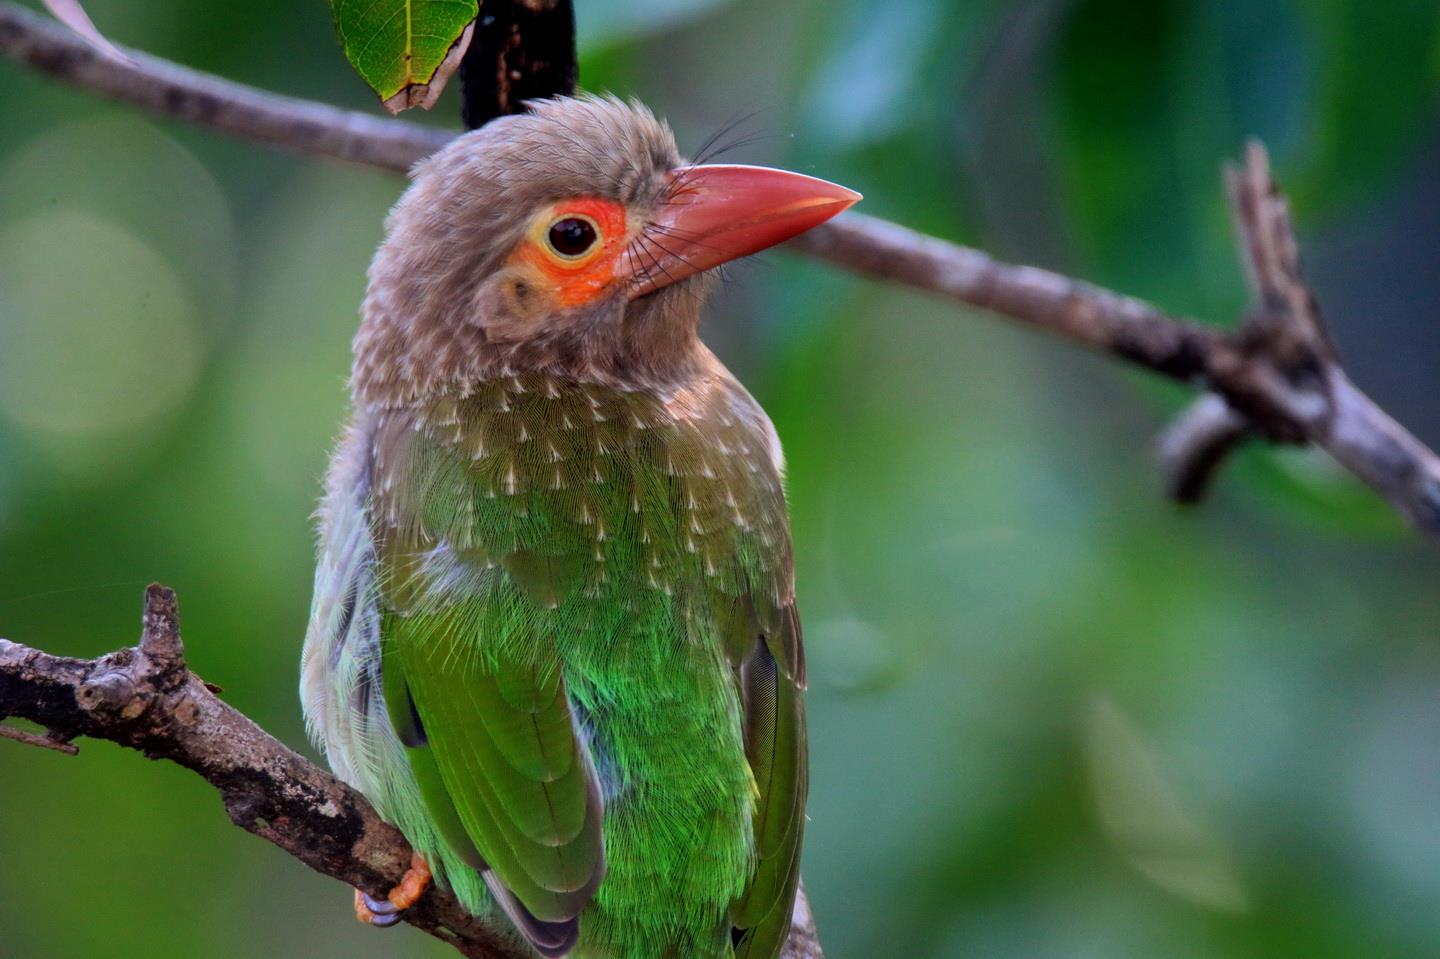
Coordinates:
<point>383,913</point>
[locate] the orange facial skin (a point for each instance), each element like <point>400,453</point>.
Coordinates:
<point>576,281</point>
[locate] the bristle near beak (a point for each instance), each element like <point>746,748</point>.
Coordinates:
<point>720,212</point>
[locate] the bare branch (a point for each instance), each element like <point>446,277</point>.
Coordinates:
<point>1284,336</point>
<point>145,698</point>
<point>1278,374</point>
<point>1122,326</point>
<point>160,87</point>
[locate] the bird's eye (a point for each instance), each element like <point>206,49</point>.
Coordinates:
<point>572,236</point>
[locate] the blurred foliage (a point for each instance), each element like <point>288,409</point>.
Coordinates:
<point>1051,715</point>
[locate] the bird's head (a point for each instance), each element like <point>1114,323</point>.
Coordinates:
<point>571,238</point>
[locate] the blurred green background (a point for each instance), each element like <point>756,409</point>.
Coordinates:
<point>1052,716</point>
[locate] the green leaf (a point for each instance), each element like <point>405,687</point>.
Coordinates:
<point>405,49</point>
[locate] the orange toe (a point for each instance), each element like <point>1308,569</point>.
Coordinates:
<point>383,913</point>
<point>412,884</point>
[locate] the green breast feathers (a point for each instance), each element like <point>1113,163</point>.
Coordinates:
<point>559,649</point>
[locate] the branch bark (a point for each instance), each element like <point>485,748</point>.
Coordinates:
<point>145,698</point>
<point>1276,375</point>
<point>1266,388</point>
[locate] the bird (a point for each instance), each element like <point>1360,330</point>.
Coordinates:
<point>554,636</point>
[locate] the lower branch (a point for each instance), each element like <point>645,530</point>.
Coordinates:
<point>146,699</point>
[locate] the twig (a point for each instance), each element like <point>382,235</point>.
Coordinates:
<point>145,698</point>
<point>1194,447</point>
<point>1282,324</point>
<point>36,739</point>
<point>1255,375</point>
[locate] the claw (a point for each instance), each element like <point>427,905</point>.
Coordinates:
<point>380,907</point>
<point>362,908</point>
<point>383,913</point>
<point>380,913</point>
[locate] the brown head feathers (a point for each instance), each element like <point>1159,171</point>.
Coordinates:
<point>496,259</point>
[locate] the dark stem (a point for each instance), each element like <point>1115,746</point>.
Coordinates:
<point>522,50</point>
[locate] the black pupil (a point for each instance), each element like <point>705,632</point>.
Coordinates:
<point>572,236</point>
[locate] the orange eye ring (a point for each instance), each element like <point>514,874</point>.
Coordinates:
<point>577,265</point>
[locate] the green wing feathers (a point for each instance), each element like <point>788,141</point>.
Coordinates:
<point>496,754</point>
<point>771,680</point>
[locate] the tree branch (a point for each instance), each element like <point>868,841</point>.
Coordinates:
<point>1284,337</point>
<point>163,88</point>
<point>1276,376</point>
<point>145,698</point>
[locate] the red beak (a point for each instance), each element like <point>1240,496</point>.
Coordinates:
<point>721,212</point>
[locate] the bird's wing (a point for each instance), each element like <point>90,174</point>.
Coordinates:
<point>771,680</point>
<point>760,630</point>
<point>501,766</point>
